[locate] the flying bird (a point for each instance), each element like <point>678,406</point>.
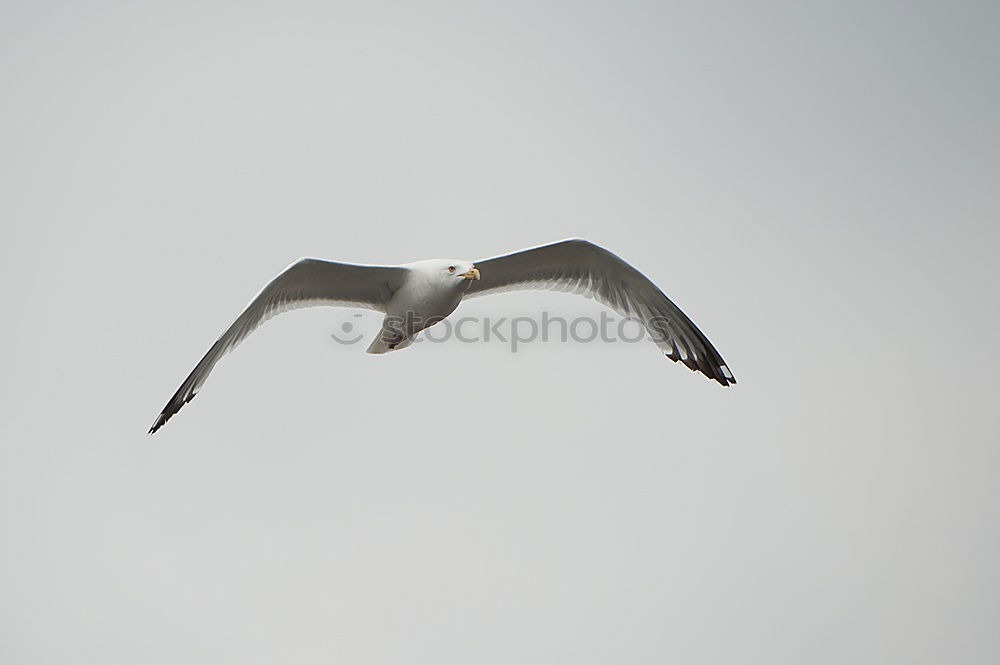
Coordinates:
<point>414,296</point>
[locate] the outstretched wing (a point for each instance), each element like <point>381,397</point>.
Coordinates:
<point>305,283</point>
<point>589,270</point>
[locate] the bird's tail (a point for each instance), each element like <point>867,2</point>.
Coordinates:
<point>387,341</point>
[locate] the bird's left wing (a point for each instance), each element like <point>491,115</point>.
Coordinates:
<point>305,283</point>
<point>582,267</point>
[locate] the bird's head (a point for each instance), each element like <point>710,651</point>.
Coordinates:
<point>450,271</point>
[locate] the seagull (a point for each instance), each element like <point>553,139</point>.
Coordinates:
<point>414,296</point>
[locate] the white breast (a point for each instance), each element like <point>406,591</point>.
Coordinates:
<point>424,300</point>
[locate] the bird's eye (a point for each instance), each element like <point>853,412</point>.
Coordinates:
<point>451,268</point>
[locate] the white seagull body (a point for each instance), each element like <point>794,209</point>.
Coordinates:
<point>416,295</point>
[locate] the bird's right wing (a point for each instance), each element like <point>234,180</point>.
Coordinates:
<point>305,283</point>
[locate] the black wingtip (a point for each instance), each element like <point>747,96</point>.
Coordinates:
<point>172,407</point>
<point>724,377</point>
<point>721,374</point>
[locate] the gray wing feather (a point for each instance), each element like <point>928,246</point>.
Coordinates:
<point>584,268</point>
<point>305,283</point>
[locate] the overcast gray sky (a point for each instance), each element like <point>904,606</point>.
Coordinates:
<point>815,184</point>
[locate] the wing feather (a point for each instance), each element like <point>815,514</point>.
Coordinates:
<point>587,269</point>
<point>305,283</point>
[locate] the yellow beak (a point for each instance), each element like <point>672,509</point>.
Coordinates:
<point>472,274</point>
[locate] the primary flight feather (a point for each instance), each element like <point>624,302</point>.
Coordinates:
<point>416,295</point>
